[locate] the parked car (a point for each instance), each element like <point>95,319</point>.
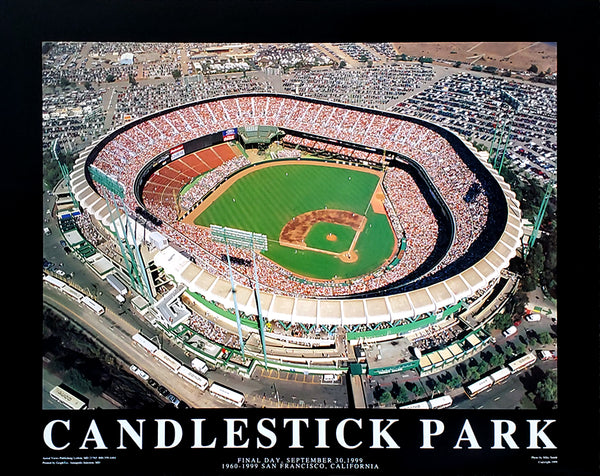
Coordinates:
<point>533,317</point>
<point>163,390</point>
<point>173,399</point>
<point>139,372</point>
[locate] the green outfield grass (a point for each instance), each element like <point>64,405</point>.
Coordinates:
<point>266,199</point>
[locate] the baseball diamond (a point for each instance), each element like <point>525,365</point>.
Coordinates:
<point>279,213</point>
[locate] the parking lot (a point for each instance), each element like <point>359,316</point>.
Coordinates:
<point>469,104</point>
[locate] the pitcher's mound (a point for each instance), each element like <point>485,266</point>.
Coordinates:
<point>331,237</point>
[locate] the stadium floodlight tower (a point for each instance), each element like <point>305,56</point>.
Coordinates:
<point>125,233</point>
<point>249,241</point>
<point>510,106</point>
<point>64,171</point>
<point>539,217</point>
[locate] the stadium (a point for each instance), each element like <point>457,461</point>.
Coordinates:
<point>275,230</point>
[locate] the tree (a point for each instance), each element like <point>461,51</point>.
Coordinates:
<point>528,283</point>
<point>545,338</point>
<point>547,389</point>
<point>439,387</point>
<point>502,320</point>
<point>538,259</point>
<point>414,388</point>
<point>497,360</point>
<point>402,396</point>
<point>520,348</point>
<point>533,69</point>
<point>399,393</point>
<point>472,374</point>
<point>176,74</point>
<point>483,367</point>
<point>385,397</point>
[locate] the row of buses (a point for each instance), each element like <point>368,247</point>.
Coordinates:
<point>501,375</point>
<point>75,295</point>
<point>215,389</point>
<point>436,403</point>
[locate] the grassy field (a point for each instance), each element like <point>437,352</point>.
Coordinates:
<point>266,199</point>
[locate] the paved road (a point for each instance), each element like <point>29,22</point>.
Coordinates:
<point>115,332</point>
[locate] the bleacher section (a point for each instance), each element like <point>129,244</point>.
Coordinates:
<point>164,184</point>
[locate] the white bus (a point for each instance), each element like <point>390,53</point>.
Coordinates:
<point>192,377</point>
<point>117,284</point>
<point>500,376</point>
<point>144,342</point>
<point>227,394</point>
<point>66,398</point>
<point>522,363</point>
<point>167,360</point>
<point>73,293</point>
<point>57,283</point>
<point>416,406</point>
<point>436,403</point>
<point>440,402</point>
<point>479,386</point>
<point>93,305</point>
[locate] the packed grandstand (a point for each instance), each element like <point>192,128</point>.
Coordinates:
<point>460,221</point>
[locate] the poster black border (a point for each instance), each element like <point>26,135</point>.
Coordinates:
<point>573,25</point>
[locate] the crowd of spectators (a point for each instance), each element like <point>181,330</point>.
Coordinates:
<point>88,230</point>
<point>436,336</point>
<point>130,150</point>
<point>213,332</point>
<point>210,180</point>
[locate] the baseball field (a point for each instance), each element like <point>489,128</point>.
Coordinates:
<point>323,221</point>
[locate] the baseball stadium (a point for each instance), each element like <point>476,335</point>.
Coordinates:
<point>271,230</point>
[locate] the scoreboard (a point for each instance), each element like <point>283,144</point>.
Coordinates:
<point>230,134</point>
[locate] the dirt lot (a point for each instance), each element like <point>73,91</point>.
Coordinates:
<point>516,56</point>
